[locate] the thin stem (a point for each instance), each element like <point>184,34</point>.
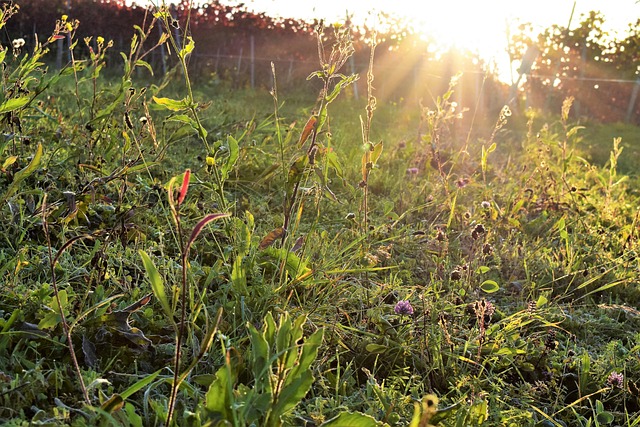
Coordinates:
<point>54,284</point>
<point>181,328</point>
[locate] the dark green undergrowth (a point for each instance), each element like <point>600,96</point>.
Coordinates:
<point>192,254</point>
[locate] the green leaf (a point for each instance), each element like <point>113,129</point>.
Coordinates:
<point>21,175</point>
<point>351,419</point>
<point>157,286</point>
<point>605,417</point>
<point>218,399</point>
<point>171,104</point>
<point>239,277</point>
<point>376,348</point>
<point>144,64</point>
<point>139,385</point>
<point>234,153</point>
<point>13,104</point>
<point>542,300</point>
<point>376,152</point>
<point>188,48</point>
<point>259,359</point>
<point>489,286</point>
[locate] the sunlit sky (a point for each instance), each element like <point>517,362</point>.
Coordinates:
<point>477,25</point>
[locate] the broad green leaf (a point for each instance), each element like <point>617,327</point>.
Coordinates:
<point>376,152</point>
<point>542,300</point>
<point>157,286</point>
<point>22,174</point>
<point>171,104</point>
<point>376,348</point>
<point>9,161</point>
<point>218,399</point>
<point>351,419</point>
<point>239,277</point>
<point>13,104</point>
<point>292,394</point>
<point>260,359</point>
<point>144,64</point>
<point>489,286</point>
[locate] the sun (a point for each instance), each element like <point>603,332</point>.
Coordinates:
<point>472,27</point>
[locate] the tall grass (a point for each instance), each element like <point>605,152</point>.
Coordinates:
<point>459,279</point>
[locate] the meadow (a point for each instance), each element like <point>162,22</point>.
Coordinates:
<point>180,251</point>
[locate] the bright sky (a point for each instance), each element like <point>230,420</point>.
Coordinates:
<point>479,25</point>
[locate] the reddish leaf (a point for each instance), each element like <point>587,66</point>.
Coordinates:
<point>298,245</point>
<point>311,124</point>
<point>185,186</point>
<point>204,221</point>
<point>271,237</point>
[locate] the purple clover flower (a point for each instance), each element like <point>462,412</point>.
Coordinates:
<point>403,308</point>
<point>615,379</point>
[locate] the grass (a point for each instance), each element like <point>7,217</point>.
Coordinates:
<point>230,257</point>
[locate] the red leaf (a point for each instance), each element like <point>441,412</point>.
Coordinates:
<point>311,124</point>
<point>185,186</point>
<point>204,221</point>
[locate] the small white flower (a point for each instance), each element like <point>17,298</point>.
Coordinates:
<point>18,43</point>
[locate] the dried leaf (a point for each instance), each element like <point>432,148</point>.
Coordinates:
<point>306,131</point>
<point>298,245</point>
<point>270,238</point>
<point>89,350</point>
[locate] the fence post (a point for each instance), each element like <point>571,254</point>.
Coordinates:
<point>632,100</point>
<point>239,61</point>
<point>253,61</point>
<point>353,71</point>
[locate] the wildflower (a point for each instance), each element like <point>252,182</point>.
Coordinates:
<point>100,40</point>
<point>485,204</point>
<point>403,308</point>
<point>412,171</point>
<point>615,379</point>
<point>18,43</point>
<point>462,182</point>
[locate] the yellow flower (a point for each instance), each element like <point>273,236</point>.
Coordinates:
<point>100,40</point>
<point>68,27</point>
<point>64,18</point>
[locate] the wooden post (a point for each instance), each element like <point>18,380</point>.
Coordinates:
<point>632,101</point>
<point>290,73</point>
<point>252,42</point>
<point>353,71</point>
<point>239,61</point>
